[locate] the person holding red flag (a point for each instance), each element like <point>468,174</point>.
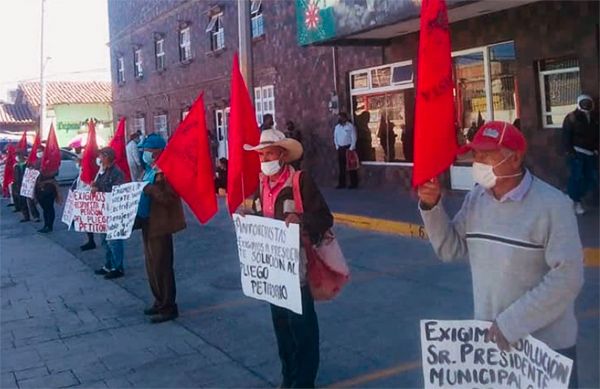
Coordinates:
<point>160,215</point>
<point>89,167</point>
<point>9,172</point>
<point>46,191</point>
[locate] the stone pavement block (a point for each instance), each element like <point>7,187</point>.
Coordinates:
<point>32,373</point>
<point>118,382</point>
<point>90,372</point>
<point>58,380</point>
<point>127,359</point>
<point>162,351</point>
<point>8,381</point>
<point>72,361</point>
<point>228,375</point>
<point>90,385</point>
<point>52,350</point>
<point>21,359</point>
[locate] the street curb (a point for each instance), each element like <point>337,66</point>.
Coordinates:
<point>591,255</point>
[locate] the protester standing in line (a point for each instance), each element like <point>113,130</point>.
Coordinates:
<point>160,214</point>
<point>133,157</point>
<point>580,136</point>
<point>32,203</point>
<point>47,193</point>
<point>522,242</point>
<point>78,184</point>
<point>20,168</point>
<point>108,176</point>
<point>297,335</point>
<point>344,138</point>
<point>221,175</point>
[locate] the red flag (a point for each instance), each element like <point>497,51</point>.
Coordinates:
<point>187,166</point>
<point>51,157</point>
<point>89,168</point>
<point>243,166</point>
<point>435,135</point>
<point>118,144</point>
<point>22,145</point>
<point>9,169</point>
<point>32,159</point>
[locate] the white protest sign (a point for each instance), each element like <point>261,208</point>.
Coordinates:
<point>455,354</point>
<point>90,211</point>
<point>269,260</point>
<point>68,211</point>
<point>123,208</point>
<point>2,169</point>
<point>29,179</point>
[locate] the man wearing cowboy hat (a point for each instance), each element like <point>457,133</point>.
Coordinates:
<point>520,237</point>
<point>297,335</point>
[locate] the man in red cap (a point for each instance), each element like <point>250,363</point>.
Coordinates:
<point>521,239</point>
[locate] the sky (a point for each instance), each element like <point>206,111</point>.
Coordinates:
<point>76,37</point>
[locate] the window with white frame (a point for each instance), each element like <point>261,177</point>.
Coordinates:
<point>264,102</point>
<point>161,125</point>
<point>139,124</point>
<point>221,126</point>
<point>257,19</point>
<point>159,50</point>
<point>138,65</point>
<point>216,32</point>
<point>559,88</point>
<point>185,44</point>
<point>120,70</point>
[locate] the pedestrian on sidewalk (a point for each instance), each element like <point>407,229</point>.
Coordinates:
<point>108,176</point>
<point>79,185</point>
<point>221,175</point>
<point>521,239</point>
<point>293,133</point>
<point>133,156</point>
<point>580,135</point>
<point>47,193</point>
<point>267,122</point>
<point>297,335</point>
<point>160,215</point>
<point>344,138</point>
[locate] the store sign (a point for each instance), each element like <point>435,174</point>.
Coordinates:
<point>68,125</point>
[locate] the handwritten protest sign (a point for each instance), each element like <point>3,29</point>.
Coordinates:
<point>122,209</point>
<point>269,260</point>
<point>90,211</point>
<point>69,210</point>
<point>456,354</point>
<point>2,169</point>
<point>29,179</point>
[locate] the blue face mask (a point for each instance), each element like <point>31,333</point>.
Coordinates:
<point>148,158</point>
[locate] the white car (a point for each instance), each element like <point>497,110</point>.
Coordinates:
<point>68,171</point>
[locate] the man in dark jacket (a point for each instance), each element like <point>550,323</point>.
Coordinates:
<point>297,335</point>
<point>580,134</point>
<point>160,213</point>
<point>110,175</point>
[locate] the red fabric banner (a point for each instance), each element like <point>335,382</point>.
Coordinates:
<point>9,169</point>
<point>243,166</point>
<point>186,163</point>
<point>22,145</point>
<point>89,168</point>
<point>118,143</point>
<point>435,133</point>
<point>32,159</point>
<point>51,157</point>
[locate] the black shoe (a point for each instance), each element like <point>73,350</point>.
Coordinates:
<point>161,318</point>
<point>36,220</point>
<point>150,311</point>
<point>88,246</point>
<point>114,274</point>
<point>10,205</point>
<point>45,230</point>
<point>102,271</point>
<point>24,220</point>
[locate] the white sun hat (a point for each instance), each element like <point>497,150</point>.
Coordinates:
<point>270,138</point>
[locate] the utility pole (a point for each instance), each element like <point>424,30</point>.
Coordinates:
<point>43,61</point>
<point>245,44</point>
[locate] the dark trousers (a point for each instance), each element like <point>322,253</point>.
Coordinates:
<point>16,198</point>
<point>571,353</point>
<point>47,203</point>
<point>584,175</point>
<point>159,267</point>
<point>298,343</point>
<point>342,165</point>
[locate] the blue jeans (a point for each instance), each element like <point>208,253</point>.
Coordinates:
<point>115,251</point>
<point>584,175</point>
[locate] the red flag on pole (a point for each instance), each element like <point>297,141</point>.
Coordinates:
<point>51,157</point>
<point>435,134</point>
<point>32,159</point>
<point>186,163</point>
<point>243,166</point>
<point>118,144</point>
<point>22,145</point>
<point>9,169</point>
<point>89,168</point>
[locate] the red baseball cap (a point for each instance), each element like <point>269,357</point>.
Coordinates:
<point>495,135</point>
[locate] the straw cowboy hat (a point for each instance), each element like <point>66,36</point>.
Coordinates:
<point>270,138</point>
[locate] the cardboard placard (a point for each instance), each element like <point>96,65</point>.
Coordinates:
<point>29,180</point>
<point>123,208</point>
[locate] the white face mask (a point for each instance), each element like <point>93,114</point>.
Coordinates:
<point>148,157</point>
<point>39,154</point>
<point>99,161</point>
<point>270,168</point>
<point>483,174</point>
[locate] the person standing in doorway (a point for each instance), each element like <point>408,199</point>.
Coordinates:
<point>580,135</point>
<point>344,138</point>
<point>133,156</point>
<point>110,175</point>
<point>160,214</point>
<point>267,122</point>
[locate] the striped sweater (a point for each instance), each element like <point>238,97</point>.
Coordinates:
<point>526,259</point>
